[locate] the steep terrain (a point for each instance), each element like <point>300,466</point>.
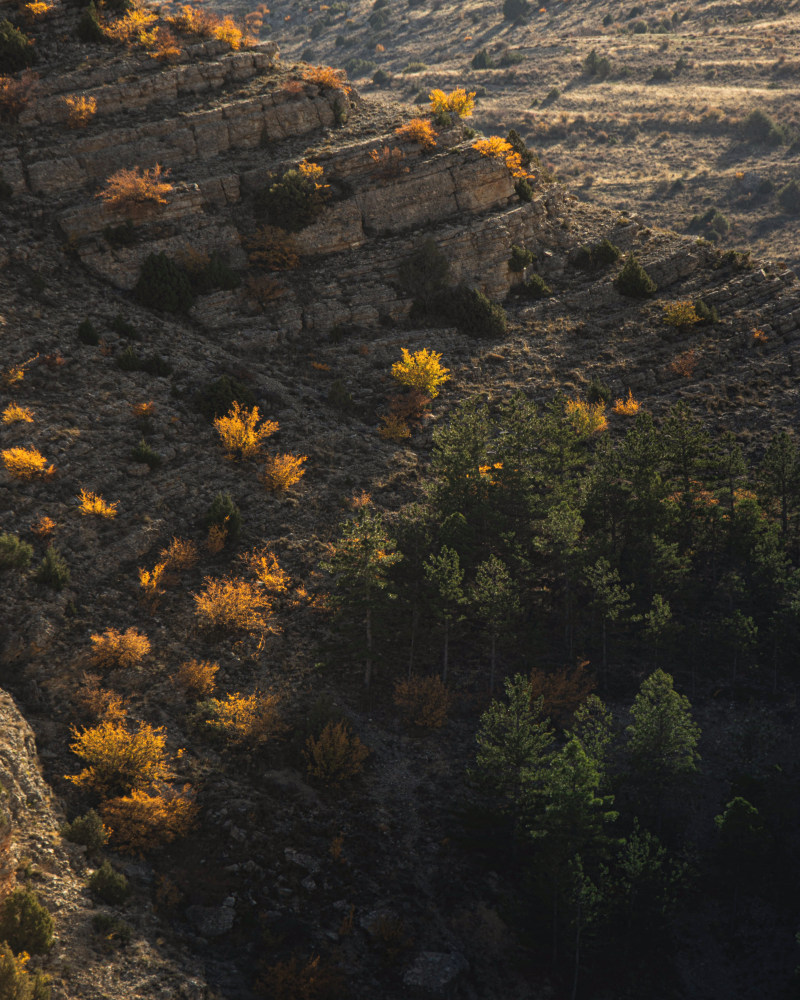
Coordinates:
<point>277,865</point>
<point>655,123</point>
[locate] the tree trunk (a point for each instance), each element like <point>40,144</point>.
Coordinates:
<point>446,651</point>
<point>578,928</point>
<point>491,673</point>
<point>368,664</point>
<point>414,626</point>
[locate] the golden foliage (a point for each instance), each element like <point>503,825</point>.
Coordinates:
<point>760,337</point>
<point>215,542</point>
<point>37,9</point>
<point>127,188</point>
<point>149,818</point>
<point>16,93</point>
<point>273,248</point>
<point>458,101</point>
<point>143,410</point>
<point>234,604</point>
<point>586,418</point>
<point>166,46</point>
<point>196,678</point>
<point>194,21</point>
<point>423,701</point>
<point>119,649</point>
<point>117,759</point>
<point>91,503</point>
<point>43,526</point>
<point>134,28</point>
<point>395,428</point>
<point>239,431</point>
<point>153,581</point>
<point>181,554</point>
<point>419,130</point>
<point>80,110</point>
<point>293,980</point>
<point>264,565</point>
<point>14,414</point>
<point>421,370</point>
<point>336,756</point>
<point>626,407</point>
<point>247,719</point>
<point>228,31</point>
<point>500,149</point>
<point>26,463</point>
<point>563,690</point>
<point>388,162</point>
<point>680,313</point>
<point>327,77</point>
<point>98,702</point>
<point>16,373</point>
<point>282,471</point>
<point>684,364</point>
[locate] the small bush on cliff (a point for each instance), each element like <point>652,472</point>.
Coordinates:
<point>89,29</point>
<point>594,256</point>
<point>216,399</point>
<point>535,288</point>
<point>53,570</point>
<point>634,281</point>
<point>424,272</point>
<point>472,312</point>
<point>14,554</point>
<point>758,126</point>
<point>164,285</point>
<point>295,198</point>
<point>338,755</point>
<point>16,49</point>
<point>16,983</point>
<point>87,830</point>
<point>25,925</point>
<point>110,886</point>
<point>223,513</point>
<point>789,198</point>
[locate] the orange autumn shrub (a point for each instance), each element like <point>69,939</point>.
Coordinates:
<point>119,649</point>
<point>419,130</point>
<point>196,678</point>
<point>149,818</point>
<point>117,759</point>
<point>423,701</point>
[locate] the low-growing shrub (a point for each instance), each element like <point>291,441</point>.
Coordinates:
<point>458,102</point>
<point>233,604</point>
<point>223,513</point>
<point>87,333</point>
<point>520,258</point>
<point>16,982</point>
<point>25,925</point>
<point>53,570</point>
<point>419,130</point>
<point>26,463</point>
<point>626,407</point>
<point>597,66</point>
<point>88,830</point>
<point>217,398</point>
<point>112,930</point>
<point>423,701</point>
<point>146,455</point>
<point>789,198</point>
<point>149,818</point>
<point>128,360</point>
<point>758,126</point>
<point>273,248</point>
<point>298,980</point>
<point>117,759</point>
<point>482,60</point>
<point>681,313</point>
<point>422,371</point>
<point>634,281</point>
<point>523,189</point>
<point>282,471</point>
<point>336,756</point>
<point>598,392</point>
<point>92,503</point>
<point>14,553</point>
<point>712,224</point>
<point>535,288</point>
<point>295,198</point>
<point>424,272</point>
<point>706,315</point>
<point>131,189</point>
<point>196,678</point>
<point>110,886</point>
<point>240,434</point>
<point>16,93</point>
<point>472,312</point>
<point>586,418</point>
<point>16,49</point>
<point>213,273</point>
<point>163,284</point>
<point>247,720</point>
<point>80,110</point>
<point>113,648</point>
<point>594,256</point>
<point>156,366</point>
<point>89,29</point>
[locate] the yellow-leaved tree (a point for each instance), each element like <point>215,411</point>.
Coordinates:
<point>119,760</point>
<point>421,370</point>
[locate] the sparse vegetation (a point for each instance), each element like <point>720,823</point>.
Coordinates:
<point>633,280</point>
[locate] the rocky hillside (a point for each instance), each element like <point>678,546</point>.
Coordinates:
<point>686,115</point>
<point>118,394</point>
